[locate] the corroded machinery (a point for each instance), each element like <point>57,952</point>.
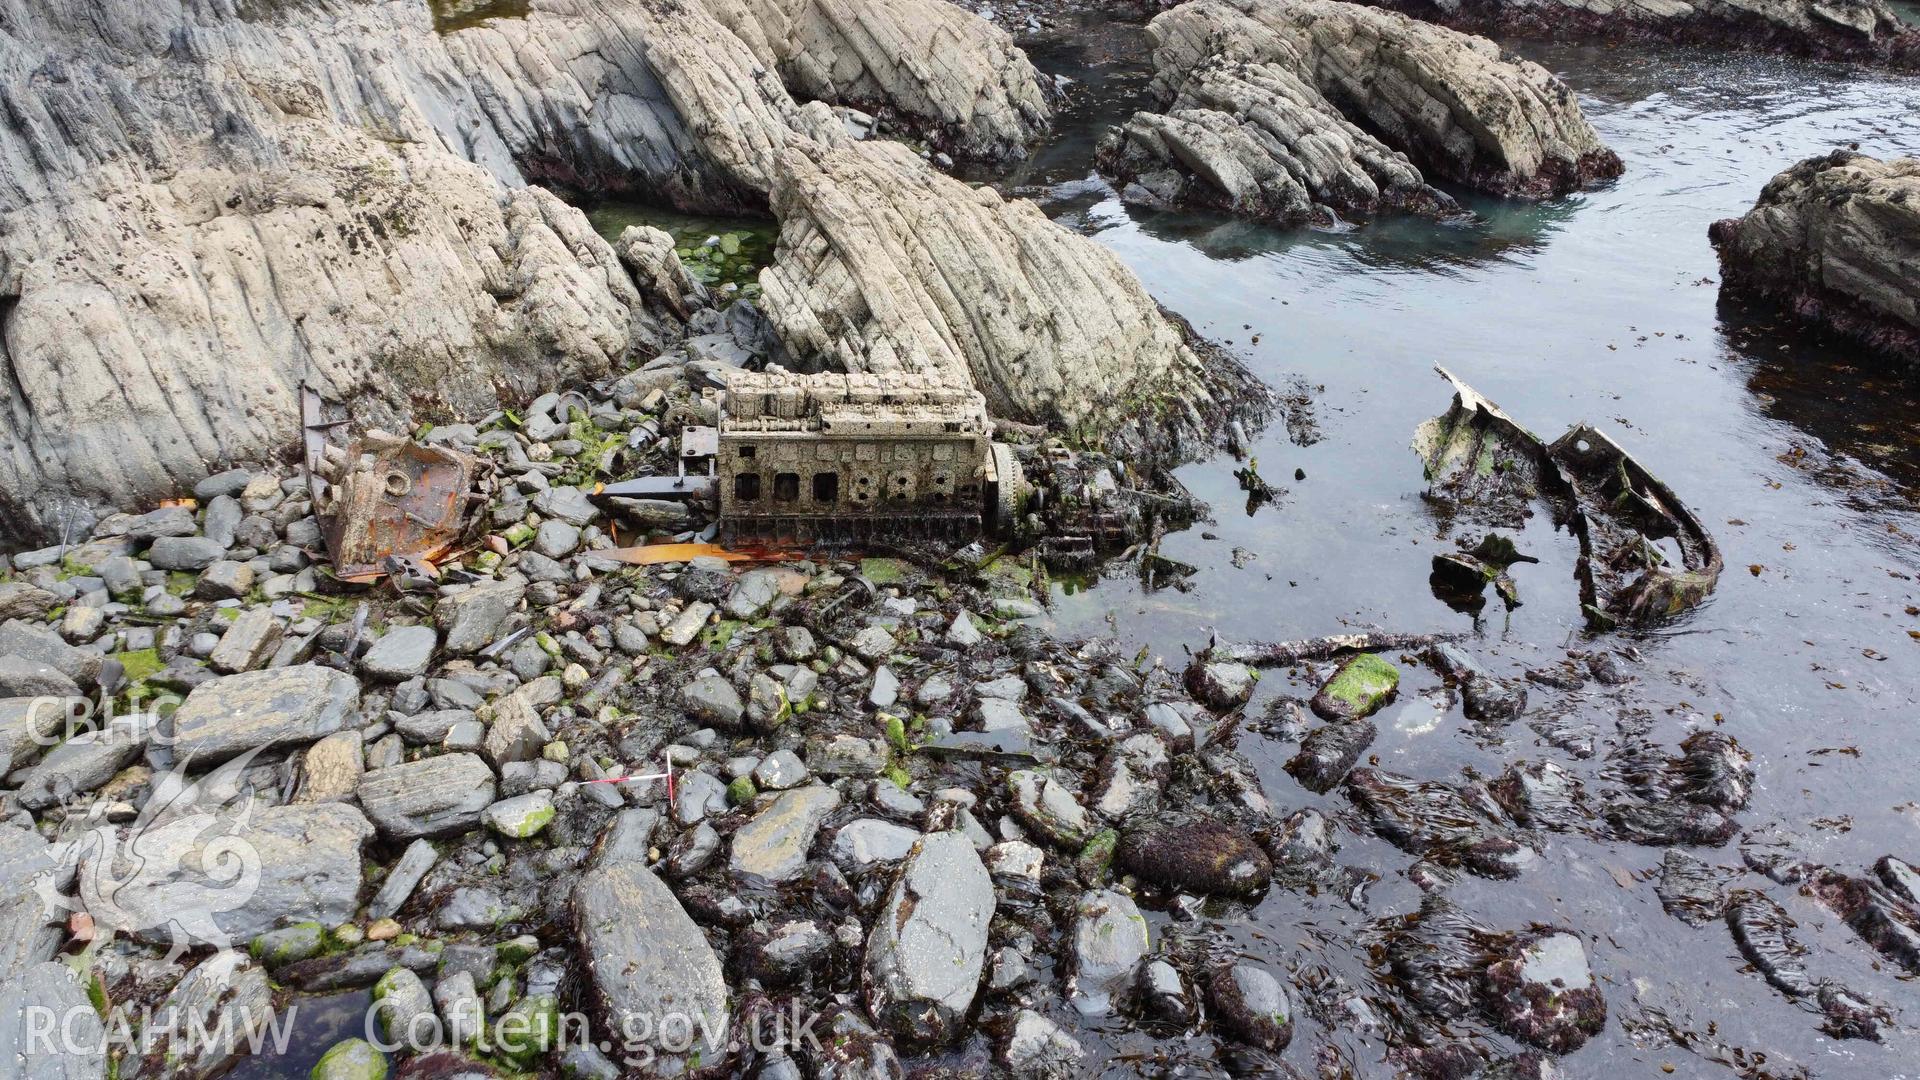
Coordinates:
<point>837,456</point>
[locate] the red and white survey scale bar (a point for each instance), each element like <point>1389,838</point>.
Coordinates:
<point>667,776</point>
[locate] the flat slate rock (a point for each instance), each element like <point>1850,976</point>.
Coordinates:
<point>434,796</point>
<point>50,986</point>
<point>648,959</point>
<point>287,706</point>
<point>927,948</point>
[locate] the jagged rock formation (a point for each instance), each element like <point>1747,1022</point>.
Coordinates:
<point>208,202</point>
<point>648,96</point>
<point>957,80</point>
<point>1859,30</point>
<point>1454,104</point>
<point>1257,141</point>
<point>1834,240</point>
<point>190,232</point>
<point>885,265</point>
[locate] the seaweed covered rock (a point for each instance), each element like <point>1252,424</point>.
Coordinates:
<point>1441,822</point>
<point>1357,688</point>
<point>1202,856</point>
<point>1866,31</point>
<point>1833,241</point>
<point>1540,990</point>
<point>1252,1005</point>
<point>1455,105</point>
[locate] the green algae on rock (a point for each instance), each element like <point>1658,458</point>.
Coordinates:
<point>1357,689</point>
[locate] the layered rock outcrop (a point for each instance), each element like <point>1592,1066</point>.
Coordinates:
<point>191,231</point>
<point>207,203</point>
<point>1866,31</point>
<point>926,65</point>
<point>885,265</point>
<point>1257,141</point>
<point>1834,240</point>
<point>1272,102</point>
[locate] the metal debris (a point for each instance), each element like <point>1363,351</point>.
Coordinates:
<point>387,505</point>
<point>1643,555</point>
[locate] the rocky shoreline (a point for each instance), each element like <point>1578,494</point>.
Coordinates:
<point>1856,31</point>
<point>899,813</point>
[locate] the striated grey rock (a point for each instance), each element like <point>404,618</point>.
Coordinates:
<point>888,267</point>
<point>29,932</point>
<point>303,862</point>
<point>403,878</point>
<point>227,996</point>
<point>927,948</point>
<point>1457,106</point>
<point>1258,141</point>
<point>955,79</point>
<point>1833,241</point>
<point>772,848</point>
<point>185,552</point>
<point>648,959</point>
<point>55,987</point>
<point>81,764</point>
<point>36,643</point>
<point>401,653</point>
<point>477,617</point>
<point>248,642</point>
<point>431,797</point>
<point>277,707</point>
<point>1863,31</point>
<point>354,232</point>
<point>22,678</point>
<point>28,726</point>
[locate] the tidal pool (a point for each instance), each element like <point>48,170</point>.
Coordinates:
<point>1802,454</point>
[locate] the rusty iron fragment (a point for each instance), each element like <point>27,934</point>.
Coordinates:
<point>387,505</point>
<point>1644,556</point>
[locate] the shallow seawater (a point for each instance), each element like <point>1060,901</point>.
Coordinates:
<point>1801,454</point>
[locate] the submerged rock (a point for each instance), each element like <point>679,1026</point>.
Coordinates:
<point>1881,918</point>
<point>1439,821</point>
<point>1541,991</point>
<point>1329,752</point>
<point>1832,241</point>
<point>1691,891</point>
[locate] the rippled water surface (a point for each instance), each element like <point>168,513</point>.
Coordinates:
<point>1802,455</point>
